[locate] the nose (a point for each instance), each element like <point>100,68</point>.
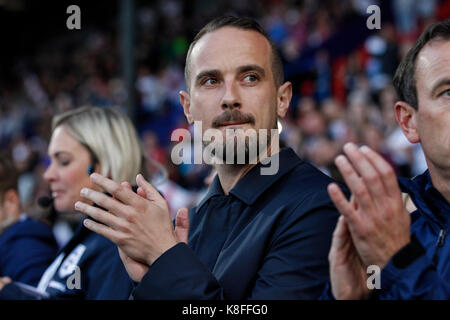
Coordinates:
<point>50,174</point>
<point>231,98</point>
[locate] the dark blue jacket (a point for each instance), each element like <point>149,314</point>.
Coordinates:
<point>268,238</point>
<point>88,267</point>
<point>421,270</point>
<point>26,249</point>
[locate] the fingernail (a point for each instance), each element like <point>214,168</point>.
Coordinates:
<point>340,159</point>
<point>87,222</point>
<point>78,205</point>
<point>350,145</point>
<point>94,176</point>
<point>84,191</point>
<point>365,149</point>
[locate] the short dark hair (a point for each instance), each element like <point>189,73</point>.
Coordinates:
<point>404,79</point>
<point>243,23</point>
<point>8,174</point>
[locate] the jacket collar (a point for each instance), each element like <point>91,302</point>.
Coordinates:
<point>427,198</point>
<point>250,187</point>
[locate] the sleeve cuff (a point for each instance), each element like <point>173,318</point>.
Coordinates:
<point>408,254</point>
<point>176,274</point>
<point>405,261</point>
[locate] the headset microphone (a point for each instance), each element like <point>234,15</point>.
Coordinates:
<point>45,202</point>
<point>90,169</point>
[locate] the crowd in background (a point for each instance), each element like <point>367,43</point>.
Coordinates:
<point>341,73</point>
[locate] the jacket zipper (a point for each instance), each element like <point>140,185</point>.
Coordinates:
<point>439,243</point>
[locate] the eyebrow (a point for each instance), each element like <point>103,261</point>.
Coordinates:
<point>207,73</point>
<point>214,73</point>
<point>59,153</point>
<point>440,83</point>
<point>252,67</point>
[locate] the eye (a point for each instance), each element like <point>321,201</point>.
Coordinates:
<point>64,162</point>
<point>209,81</point>
<point>250,78</point>
<point>446,93</point>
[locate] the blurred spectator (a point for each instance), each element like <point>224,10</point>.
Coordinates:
<point>27,246</point>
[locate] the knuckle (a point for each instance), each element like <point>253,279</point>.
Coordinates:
<point>388,214</point>
<point>91,212</point>
<point>360,192</point>
<point>120,241</point>
<point>342,206</point>
<point>346,170</point>
<point>371,178</point>
<point>387,171</point>
<point>120,225</point>
<point>130,217</point>
<point>363,234</point>
<point>366,230</point>
<point>141,206</point>
<point>116,189</point>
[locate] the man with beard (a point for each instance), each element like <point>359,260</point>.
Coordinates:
<point>235,145</point>
<point>254,235</point>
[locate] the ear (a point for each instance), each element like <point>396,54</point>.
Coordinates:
<point>12,203</point>
<point>284,96</point>
<point>185,101</point>
<point>406,117</point>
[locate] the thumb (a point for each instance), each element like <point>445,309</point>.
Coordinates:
<point>150,192</point>
<point>340,234</point>
<point>141,193</point>
<point>182,225</point>
<point>139,190</point>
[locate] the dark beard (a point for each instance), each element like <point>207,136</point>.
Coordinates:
<point>245,154</point>
<point>241,150</point>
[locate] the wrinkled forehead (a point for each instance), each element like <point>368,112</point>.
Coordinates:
<point>229,48</point>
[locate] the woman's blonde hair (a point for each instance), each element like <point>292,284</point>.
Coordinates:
<point>110,137</point>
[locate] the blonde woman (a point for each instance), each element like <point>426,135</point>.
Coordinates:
<point>85,140</point>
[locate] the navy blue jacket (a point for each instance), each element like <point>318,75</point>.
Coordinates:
<point>26,249</point>
<point>94,258</point>
<point>421,270</point>
<point>268,238</point>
